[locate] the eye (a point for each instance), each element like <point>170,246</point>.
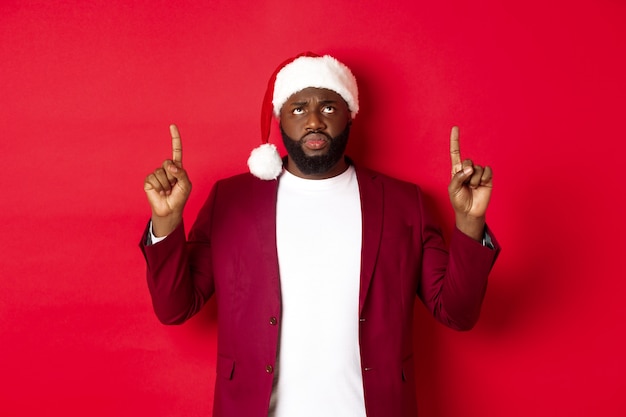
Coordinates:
<point>328,109</point>
<point>297,110</point>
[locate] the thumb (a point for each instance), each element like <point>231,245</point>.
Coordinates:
<point>180,174</point>
<point>176,170</point>
<point>461,177</point>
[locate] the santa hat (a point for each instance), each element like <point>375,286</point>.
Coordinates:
<point>294,75</point>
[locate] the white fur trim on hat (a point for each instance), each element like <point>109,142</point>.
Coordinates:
<point>265,163</point>
<point>319,72</point>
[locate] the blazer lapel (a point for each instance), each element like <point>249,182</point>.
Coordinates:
<point>372,214</point>
<point>263,202</point>
<point>263,199</point>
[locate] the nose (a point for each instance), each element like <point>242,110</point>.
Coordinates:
<point>315,122</point>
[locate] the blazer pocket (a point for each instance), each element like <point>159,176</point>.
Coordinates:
<point>225,367</point>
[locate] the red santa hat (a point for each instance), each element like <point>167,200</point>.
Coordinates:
<point>294,75</point>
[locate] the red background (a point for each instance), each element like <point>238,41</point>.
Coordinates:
<point>89,88</point>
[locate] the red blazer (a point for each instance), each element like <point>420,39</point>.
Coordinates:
<point>231,252</point>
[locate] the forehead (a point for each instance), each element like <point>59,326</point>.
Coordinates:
<point>315,94</point>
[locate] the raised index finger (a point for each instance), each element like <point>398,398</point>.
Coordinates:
<point>455,150</point>
<point>177,145</point>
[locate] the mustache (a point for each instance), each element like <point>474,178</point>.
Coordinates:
<point>316,132</point>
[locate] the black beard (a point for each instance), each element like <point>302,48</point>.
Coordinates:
<point>319,164</point>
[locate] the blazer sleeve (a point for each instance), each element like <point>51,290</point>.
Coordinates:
<point>179,271</point>
<point>453,281</point>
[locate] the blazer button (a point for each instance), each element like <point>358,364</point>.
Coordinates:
<point>273,321</point>
<point>269,369</point>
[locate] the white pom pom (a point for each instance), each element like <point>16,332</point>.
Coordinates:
<point>265,163</point>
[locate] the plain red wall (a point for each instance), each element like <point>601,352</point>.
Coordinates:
<point>89,88</point>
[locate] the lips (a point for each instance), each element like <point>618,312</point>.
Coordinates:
<point>315,141</point>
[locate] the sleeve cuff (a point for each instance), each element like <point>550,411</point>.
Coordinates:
<point>487,241</point>
<point>151,239</point>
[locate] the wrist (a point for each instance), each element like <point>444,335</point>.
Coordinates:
<point>164,225</point>
<point>473,227</point>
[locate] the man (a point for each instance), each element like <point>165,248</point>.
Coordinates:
<point>316,265</point>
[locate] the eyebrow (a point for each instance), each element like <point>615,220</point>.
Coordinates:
<point>305,102</point>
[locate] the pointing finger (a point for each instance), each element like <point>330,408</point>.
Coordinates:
<point>177,146</point>
<point>455,150</point>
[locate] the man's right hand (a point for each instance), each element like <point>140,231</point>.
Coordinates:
<point>168,189</point>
